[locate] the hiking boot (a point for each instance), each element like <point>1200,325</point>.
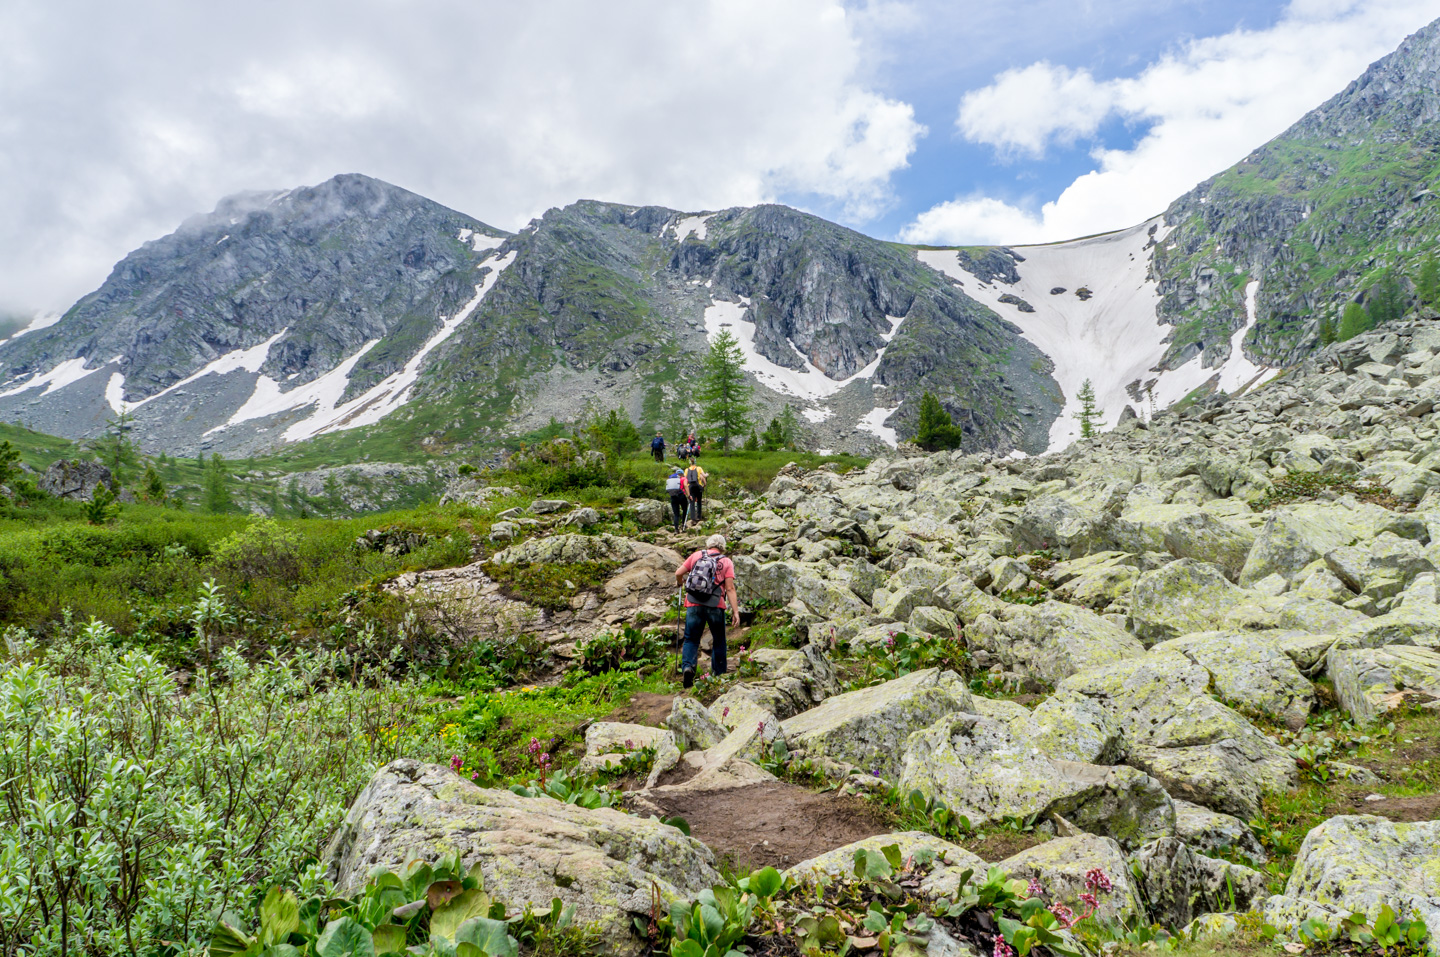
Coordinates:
<point>687,677</point>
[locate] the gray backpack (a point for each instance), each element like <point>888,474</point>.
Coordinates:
<point>703,583</point>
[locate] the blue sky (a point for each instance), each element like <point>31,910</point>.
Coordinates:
<point>925,120</point>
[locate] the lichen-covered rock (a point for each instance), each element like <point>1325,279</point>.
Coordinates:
<point>1294,536</point>
<point>1184,531</point>
<point>1230,775</point>
<point>1413,623</point>
<point>977,768</point>
<point>1250,671</point>
<point>901,602</point>
<point>606,863</point>
<point>867,729</point>
<point>1359,862</point>
<point>1179,885</point>
<point>1372,681</point>
<point>1184,596</point>
<point>1053,641</point>
<point>933,620</point>
<point>951,861</point>
<point>574,547</point>
<point>1211,832</point>
<point>694,727</point>
<point>1060,867</point>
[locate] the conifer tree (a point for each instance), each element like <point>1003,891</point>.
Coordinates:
<point>154,487</point>
<point>723,390</point>
<point>752,444</point>
<point>1387,300</point>
<point>789,428</point>
<point>937,430</point>
<point>1325,330</point>
<point>1090,421</point>
<point>1427,286</point>
<point>115,449</point>
<point>217,487</point>
<point>1353,321</point>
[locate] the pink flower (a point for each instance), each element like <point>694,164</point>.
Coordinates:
<point>725,713</point>
<point>1097,880</point>
<point>1090,901</point>
<point>1064,915</point>
<point>760,728</point>
<point>455,762</point>
<point>1034,889</point>
<point>1002,949</point>
<point>629,744</point>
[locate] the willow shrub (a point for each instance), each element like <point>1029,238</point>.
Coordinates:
<point>134,812</point>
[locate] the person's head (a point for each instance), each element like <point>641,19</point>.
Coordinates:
<point>657,431</point>
<point>717,542</point>
<point>692,460</point>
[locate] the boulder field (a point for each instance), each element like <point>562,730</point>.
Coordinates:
<point>1173,595</point>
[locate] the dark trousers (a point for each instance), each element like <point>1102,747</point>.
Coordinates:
<point>695,496</point>
<point>696,618</point>
<point>659,453</point>
<point>677,509</point>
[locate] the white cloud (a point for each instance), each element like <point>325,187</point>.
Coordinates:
<point>117,124</point>
<point>1208,105</point>
<point>1025,109</point>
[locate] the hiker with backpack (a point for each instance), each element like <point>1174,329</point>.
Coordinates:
<point>679,504</point>
<point>708,579</point>
<point>657,447</point>
<point>694,486</point>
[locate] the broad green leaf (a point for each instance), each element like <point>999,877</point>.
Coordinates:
<point>892,854</point>
<point>766,882</point>
<point>281,950</point>
<point>686,948</point>
<point>467,949</point>
<point>389,939</point>
<point>491,936</point>
<point>227,940</point>
<point>446,920</point>
<point>440,893</point>
<point>279,917</point>
<point>345,938</point>
<point>711,921</point>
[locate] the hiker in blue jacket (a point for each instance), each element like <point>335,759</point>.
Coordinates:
<point>657,447</point>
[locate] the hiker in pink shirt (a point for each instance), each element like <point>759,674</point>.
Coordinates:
<point>708,578</point>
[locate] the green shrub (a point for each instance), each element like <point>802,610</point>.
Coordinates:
<point>629,650</point>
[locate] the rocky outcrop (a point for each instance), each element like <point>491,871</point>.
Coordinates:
<point>74,479</point>
<point>605,863</point>
<point>1358,863</point>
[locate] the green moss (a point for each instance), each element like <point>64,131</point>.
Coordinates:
<point>550,585</point>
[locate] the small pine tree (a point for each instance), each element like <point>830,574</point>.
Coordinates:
<point>1325,329</point>
<point>752,444</point>
<point>115,449</point>
<point>1090,421</point>
<point>217,485</point>
<point>101,507</point>
<point>332,493</point>
<point>789,428</point>
<point>937,429</point>
<point>9,461</point>
<point>1353,321</point>
<point>1427,286</point>
<point>154,487</point>
<point>723,390</point>
<point>773,438</point>
<point>1387,300</point>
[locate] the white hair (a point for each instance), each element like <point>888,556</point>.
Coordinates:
<point>715,541</point>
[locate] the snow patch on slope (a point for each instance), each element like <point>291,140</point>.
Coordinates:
<point>692,225</point>
<point>66,373</point>
<point>42,320</point>
<point>241,360</point>
<point>874,423</point>
<point>376,402</point>
<point>809,383</point>
<point>479,241</point>
<point>1114,338</point>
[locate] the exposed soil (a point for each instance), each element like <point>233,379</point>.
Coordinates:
<point>773,823</point>
<point>1424,807</point>
<point>643,708</point>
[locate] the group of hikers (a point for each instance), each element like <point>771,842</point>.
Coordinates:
<point>688,449</point>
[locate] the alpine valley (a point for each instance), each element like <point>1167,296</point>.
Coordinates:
<point>355,312</point>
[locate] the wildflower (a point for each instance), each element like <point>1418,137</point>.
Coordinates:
<point>875,773</point>
<point>725,713</point>
<point>1064,915</point>
<point>455,763</point>
<point>1097,880</point>
<point>1090,900</point>
<point>1002,949</point>
<point>629,745</point>
<point>760,728</point>
<point>1034,889</point>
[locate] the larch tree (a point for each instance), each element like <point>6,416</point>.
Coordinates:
<point>724,394</point>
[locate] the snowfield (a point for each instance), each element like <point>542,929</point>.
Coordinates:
<point>1114,337</point>
<point>692,226</point>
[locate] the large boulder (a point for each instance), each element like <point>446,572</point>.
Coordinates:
<point>1361,862</point>
<point>977,768</point>
<point>1371,681</point>
<point>943,879</point>
<point>1251,672</point>
<point>1212,833</point>
<point>574,547</point>
<point>607,864</point>
<point>1182,597</point>
<point>74,479</point>
<point>1294,536</point>
<point>1061,867</point>
<point>694,725</point>
<point>1156,714</point>
<point>1184,531</point>
<point>1180,885</point>
<point>867,729</point>
<point>1053,640</point>
<point>790,682</point>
